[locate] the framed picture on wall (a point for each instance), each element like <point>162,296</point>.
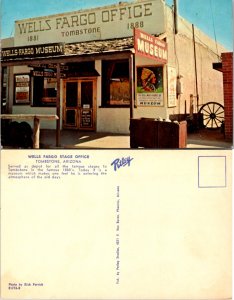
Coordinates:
<point>22,89</point>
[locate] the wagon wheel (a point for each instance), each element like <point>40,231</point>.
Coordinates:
<point>213,114</point>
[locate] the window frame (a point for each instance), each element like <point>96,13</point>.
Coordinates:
<point>106,91</point>
<point>37,101</point>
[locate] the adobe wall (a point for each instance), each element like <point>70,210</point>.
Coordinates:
<point>181,55</point>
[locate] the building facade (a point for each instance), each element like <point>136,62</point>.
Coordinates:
<point>83,66</point>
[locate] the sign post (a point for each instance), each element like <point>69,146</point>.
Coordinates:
<point>58,107</point>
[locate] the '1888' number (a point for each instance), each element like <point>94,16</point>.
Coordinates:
<point>135,25</point>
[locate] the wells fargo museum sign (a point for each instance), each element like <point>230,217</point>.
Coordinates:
<point>149,46</point>
<point>32,51</point>
<point>101,23</point>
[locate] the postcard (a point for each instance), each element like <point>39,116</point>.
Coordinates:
<point>119,224</point>
<point>116,149</point>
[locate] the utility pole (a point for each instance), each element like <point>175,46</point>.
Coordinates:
<point>176,15</point>
<point>195,66</point>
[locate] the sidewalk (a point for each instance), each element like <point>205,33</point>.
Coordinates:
<point>71,139</point>
<point>83,139</point>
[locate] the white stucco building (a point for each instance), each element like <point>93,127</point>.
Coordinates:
<point>83,67</point>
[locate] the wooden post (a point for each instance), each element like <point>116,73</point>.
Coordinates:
<point>36,133</point>
<point>191,106</point>
<point>58,107</point>
<point>195,67</point>
<point>131,80</point>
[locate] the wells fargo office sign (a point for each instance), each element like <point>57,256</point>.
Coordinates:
<point>149,46</point>
<point>32,51</point>
<point>93,24</point>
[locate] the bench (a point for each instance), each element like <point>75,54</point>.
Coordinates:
<point>36,121</point>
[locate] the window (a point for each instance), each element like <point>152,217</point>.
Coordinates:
<point>115,83</point>
<point>49,90</point>
<point>44,91</point>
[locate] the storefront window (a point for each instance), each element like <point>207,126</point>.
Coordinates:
<point>50,90</point>
<point>115,83</point>
<point>44,91</point>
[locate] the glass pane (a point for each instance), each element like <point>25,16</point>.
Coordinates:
<point>120,92</point>
<point>50,87</point>
<point>87,94</point>
<point>71,94</point>
<point>71,117</point>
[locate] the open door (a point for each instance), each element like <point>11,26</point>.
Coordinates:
<point>79,104</point>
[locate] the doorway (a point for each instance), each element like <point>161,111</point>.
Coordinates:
<point>79,104</point>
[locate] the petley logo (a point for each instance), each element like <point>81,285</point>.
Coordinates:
<point>121,162</point>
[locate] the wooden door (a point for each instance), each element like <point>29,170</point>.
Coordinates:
<point>79,105</point>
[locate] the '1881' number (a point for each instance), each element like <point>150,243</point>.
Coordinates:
<point>32,38</point>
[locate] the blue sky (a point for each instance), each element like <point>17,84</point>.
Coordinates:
<point>202,13</point>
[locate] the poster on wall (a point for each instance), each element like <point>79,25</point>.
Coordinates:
<point>171,91</point>
<point>150,86</point>
<point>22,89</point>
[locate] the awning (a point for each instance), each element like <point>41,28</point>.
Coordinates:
<point>99,46</point>
<point>218,66</point>
<point>58,51</point>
